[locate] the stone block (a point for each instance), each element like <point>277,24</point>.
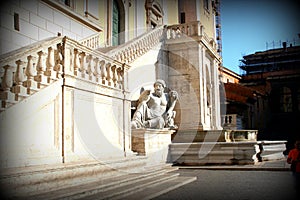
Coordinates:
<point>152,143</point>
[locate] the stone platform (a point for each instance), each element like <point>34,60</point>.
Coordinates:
<point>204,153</point>
<point>222,147</point>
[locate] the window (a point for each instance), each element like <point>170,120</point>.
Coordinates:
<point>286,104</point>
<point>91,9</point>
<point>16,22</point>
<point>182,18</point>
<point>68,3</point>
<point>206,4</point>
<point>115,24</point>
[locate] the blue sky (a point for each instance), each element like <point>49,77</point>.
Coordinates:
<point>247,25</point>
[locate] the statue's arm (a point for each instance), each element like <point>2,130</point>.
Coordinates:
<point>173,96</point>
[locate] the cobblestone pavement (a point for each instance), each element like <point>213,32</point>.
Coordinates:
<point>263,182</point>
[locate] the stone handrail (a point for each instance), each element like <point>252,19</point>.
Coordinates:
<point>190,29</point>
<point>92,42</point>
<point>240,135</point>
<point>133,49</point>
<point>29,69</point>
<point>93,66</point>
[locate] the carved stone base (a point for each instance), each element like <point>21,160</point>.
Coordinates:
<point>195,135</point>
<point>211,153</point>
<point>152,142</point>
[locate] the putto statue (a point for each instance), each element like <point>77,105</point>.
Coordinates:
<point>155,110</point>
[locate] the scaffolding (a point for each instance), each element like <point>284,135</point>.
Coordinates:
<point>216,4</point>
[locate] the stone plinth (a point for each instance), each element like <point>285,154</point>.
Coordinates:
<point>240,135</point>
<point>152,142</point>
<point>271,150</point>
<point>189,136</point>
<point>203,153</point>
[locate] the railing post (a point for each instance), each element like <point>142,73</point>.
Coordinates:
<point>83,66</point>
<point>50,64</point>
<point>7,82</point>
<point>76,61</point>
<point>19,90</point>
<point>30,84</point>
<point>40,68</point>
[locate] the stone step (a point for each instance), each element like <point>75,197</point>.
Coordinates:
<point>132,187</point>
<point>108,186</point>
<point>17,181</point>
<point>155,190</point>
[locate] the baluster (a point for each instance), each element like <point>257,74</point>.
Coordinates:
<point>7,97</point>
<point>30,72</point>
<point>40,68</point>
<point>104,72</point>
<point>108,74</point>
<point>178,33</point>
<point>58,60</point>
<point>135,52</point>
<point>118,57</point>
<point>122,56</point>
<point>19,90</point>
<point>114,76</point>
<point>90,67</point>
<point>98,69</point>
<point>76,61</point>
<point>167,33</point>
<point>49,65</point>
<point>83,65</point>
<point>129,54</point>
<point>138,52</point>
<point>120,77</point>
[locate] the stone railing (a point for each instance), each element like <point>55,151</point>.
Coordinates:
<point>240,135</point>
<point>29,69</point>
<point>92,66</point>
<point>191,29</point>
<point>133,49</point>
<point>92,42</point>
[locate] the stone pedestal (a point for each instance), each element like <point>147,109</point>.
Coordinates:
<point>212,153</point>
<point>153,143</point>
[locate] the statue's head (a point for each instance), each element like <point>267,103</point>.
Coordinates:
<point>160,81</point>
<point>159,87</point>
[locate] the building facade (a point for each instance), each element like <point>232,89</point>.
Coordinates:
<point>70,69</point>
<point>276,73</point>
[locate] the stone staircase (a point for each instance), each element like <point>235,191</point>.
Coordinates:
<point>125,178</point>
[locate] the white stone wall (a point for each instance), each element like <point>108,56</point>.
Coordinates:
<point>30,130</point>
<point>37,21</point>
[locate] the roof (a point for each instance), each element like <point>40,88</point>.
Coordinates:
<point>239,93</point>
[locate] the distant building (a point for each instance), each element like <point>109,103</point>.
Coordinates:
<point>276,72</point>
<point>239,102</point>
